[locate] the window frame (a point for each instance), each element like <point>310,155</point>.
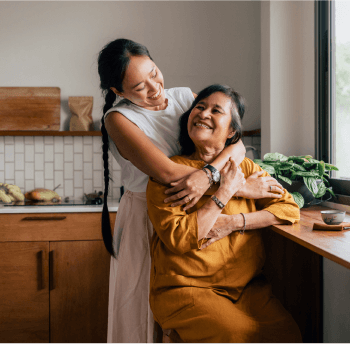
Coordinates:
<point>324,84</point>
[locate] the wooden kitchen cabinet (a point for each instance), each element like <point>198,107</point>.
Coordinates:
<point>54,273</point>
<point>24,292</point>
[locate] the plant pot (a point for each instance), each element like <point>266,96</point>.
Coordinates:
<point>299,186</point>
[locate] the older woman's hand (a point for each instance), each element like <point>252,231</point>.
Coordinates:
<point>257,187</point>
<point>224,226</point>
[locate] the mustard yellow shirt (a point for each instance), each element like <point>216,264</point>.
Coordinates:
<point>227,264</point>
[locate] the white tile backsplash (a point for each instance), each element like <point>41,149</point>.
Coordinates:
<point>48,140</point>
<point>48,170</point>
<point>47,161</point>
<point>68,188</point>
<point>58,178</point>
<point>28,140</point>
<point>58,160</point>
<point>49,184</point>
<point>87,140</point>
<point>58,144</point>
<point>97,144</point>
<point>29,170</point>
<point>2,144</point>
<point>19,161</point>
<point>97,179</point>
<point>19,144</point>
<point>78,144</point>
<point>48,151</point>
<point>9,153</point>
<point>39,161</point>
<point>87,170</point>
<point>68,140</point>
<point>19,179</point>
<point>97,163</point>
<point>78,162</point>
<point>39,144</point>
<point>29,153</point>
<point>9,170</point>
<point>78,179</point>
<point>39,180</point>
<point>9,140</point>
<point>68,170</point>
<point>68,153</point>
<point>87,153</point>
<point>2,161</point>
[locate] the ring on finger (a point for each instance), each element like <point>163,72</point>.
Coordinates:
<point>270,187</point>
<point>189,199</point>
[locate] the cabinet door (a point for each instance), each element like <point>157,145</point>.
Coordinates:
<point>24,292</point>
<point>79,277</point>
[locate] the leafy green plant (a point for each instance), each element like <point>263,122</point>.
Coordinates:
<point>313,173</point>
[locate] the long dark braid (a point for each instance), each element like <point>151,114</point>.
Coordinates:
<point>113,61</point>
<point>106,223</point>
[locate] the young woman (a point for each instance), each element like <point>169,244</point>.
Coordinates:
<point>140,128</point>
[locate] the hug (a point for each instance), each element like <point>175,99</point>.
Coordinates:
<point>186,251</point>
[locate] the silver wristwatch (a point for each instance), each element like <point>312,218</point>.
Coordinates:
<point>214,172</point>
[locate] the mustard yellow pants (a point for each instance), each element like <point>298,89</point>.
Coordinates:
<point>256,317</point>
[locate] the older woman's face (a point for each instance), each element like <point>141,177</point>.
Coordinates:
<point>209,123</point>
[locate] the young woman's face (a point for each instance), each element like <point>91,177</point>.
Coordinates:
<point>143,84</point>
<point>209,123</point>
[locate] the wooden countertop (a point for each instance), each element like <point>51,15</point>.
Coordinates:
<point>334,245</point>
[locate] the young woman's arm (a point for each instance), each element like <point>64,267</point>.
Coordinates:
<point>134,145</point>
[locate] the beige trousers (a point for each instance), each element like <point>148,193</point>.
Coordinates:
<point>130,319</point>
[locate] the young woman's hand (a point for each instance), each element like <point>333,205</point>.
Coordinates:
<point>188,190</point>
<point>257,187</point>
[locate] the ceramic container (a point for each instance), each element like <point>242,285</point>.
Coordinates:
<point>333,217</point>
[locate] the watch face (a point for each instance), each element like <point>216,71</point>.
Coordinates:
<point>216,176</point>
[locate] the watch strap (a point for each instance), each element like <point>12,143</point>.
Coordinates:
<point>218,202</point>
<point>214,172</point>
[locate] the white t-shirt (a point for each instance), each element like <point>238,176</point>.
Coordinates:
<point>161,127</point>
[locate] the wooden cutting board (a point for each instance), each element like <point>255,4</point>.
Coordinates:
<point>30,108</point>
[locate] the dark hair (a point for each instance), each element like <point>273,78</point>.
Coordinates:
<point>113,61</point>
<point>237,112</point>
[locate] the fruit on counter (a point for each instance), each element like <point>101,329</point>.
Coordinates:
<point>42,195</point>
<point>10,193</point>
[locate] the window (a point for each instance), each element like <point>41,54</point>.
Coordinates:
<point>333,89</point>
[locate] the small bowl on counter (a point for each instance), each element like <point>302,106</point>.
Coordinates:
<point>333,217</point>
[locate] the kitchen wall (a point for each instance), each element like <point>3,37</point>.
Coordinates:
<point>56,43</point>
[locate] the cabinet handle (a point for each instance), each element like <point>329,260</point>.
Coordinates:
<point>44,218</point>
<point>40,267</point>
<point>51,269</point>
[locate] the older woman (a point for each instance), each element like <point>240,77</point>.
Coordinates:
<point>206,276</point>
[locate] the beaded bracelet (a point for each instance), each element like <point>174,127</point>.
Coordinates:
<point>242,230</point>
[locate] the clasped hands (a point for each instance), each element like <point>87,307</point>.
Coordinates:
<point>190,189</point>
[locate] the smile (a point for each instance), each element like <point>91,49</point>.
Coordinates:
<point>202,125</point>
<point>157,95</point>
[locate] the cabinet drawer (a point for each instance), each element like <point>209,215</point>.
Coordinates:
<point>52,226</point>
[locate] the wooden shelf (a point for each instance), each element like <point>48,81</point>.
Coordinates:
<point>48,133</point>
